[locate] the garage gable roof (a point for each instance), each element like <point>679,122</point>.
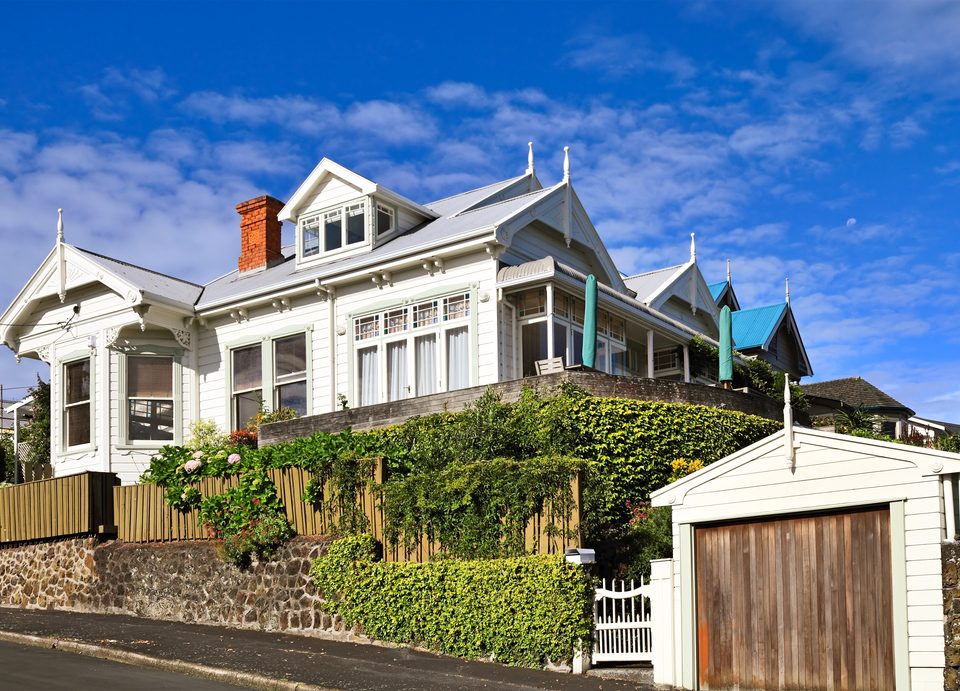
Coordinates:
<point>927,461</point>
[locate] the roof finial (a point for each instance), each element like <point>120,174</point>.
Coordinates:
<point>790,448</point>
<point>566,164</point>
<point>787,289</point>
<point>693,248</point>
<point>59,225</point>
<point>729,279</point>
<point>529,158</point>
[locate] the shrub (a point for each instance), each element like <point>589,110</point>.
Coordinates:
<point>520,611</point>
<point>948,443</point>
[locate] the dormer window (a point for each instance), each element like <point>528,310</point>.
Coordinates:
<point>386,219</point>
<point>333,229</point>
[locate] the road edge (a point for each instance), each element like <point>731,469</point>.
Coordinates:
<point>226,676</point>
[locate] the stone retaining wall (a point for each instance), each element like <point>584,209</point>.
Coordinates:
<point>950,552</point>
<point>181,581</point>
<point>597,383</point>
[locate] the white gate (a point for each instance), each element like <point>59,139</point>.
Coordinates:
<point>623,625</point>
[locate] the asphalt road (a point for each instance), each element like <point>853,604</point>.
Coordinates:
<point>325,663</point>
<point>25,668</point>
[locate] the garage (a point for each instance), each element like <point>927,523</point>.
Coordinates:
<point>810,560</point>
<point>799,602</point>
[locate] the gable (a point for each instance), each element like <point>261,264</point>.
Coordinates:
<point>561,211</point>
<point>828,469</point>
<point>685,295</point>
<point>331,191</point>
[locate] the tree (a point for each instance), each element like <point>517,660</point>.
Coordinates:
<point>37,432</point>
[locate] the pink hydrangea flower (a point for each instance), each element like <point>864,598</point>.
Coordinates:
<point>197,455</point>
<point>233,458</point>
<point>190,466</point>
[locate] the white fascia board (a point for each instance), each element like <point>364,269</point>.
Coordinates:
<point>796,334</point>
<point>19,404</point>
<point>307,282</point>
<point>606,261</point>
<point>16,308</point>
<point>659,296</point>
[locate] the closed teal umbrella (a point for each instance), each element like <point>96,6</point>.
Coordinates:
<point>726,347</point>
<point>590,323</point>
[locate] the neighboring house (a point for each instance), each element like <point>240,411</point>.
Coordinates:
<point>827,398</point>
<point>379,299</point>
<point>769,333</point>
<point>932,429</point>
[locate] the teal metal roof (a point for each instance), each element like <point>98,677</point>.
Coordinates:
<point>716,289</point>
<point>752,328</point>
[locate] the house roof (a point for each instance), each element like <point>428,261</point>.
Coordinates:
<point>149,282</point>
<point>716,289</point>
<point>753,328</point>
<point>425,236</point>
<point>467,200</point>
<point>648,284</point>
<point>854,391</point>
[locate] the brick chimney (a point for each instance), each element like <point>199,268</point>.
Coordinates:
<point>259,233</point>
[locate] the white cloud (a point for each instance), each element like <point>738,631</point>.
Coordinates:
<point>109,97</point>
<point>618,55</point>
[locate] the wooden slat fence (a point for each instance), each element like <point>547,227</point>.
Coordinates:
<point>79,504</point>
<point>142,515</point>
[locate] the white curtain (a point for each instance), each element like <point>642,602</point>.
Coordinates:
<point>397,387</point>
<point>367,368</point>
<point>458,359</point>
<point>425,351</point>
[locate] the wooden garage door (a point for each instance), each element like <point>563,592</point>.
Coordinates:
<point>800,602</point>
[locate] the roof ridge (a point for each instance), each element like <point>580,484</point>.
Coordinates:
<point>654,271</point>
<point>137,266</point>
<point>502,201</point>
<point>475,189</point>
<point>762,307</point>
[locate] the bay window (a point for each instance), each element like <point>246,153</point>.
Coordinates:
<point>412,350</point>
<point>150,398</point>
<point>76,403</point>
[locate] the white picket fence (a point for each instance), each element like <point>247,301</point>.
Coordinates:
<point>623,622</point>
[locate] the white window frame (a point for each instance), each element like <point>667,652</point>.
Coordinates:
<point>72,359</point>
<point>177,385</point>
<point>342,211</point>
<point>438,327</point>
<point>268,380</point>
<point>379,206</point>
<point>293,377</point>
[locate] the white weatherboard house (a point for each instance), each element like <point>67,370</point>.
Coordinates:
<point>379,299</point>
<point>811,560</point>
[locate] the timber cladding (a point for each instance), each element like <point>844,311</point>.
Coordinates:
<point>799,602</point>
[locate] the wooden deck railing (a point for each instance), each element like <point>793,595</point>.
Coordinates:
<point>142,515</point>
<point>79,504</point>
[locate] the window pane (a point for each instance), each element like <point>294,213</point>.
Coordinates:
<point>576,356</point>
<point>77,375</point>
<point>425,314</point>
<point>311,236</point>
<point>290,356</point>
<point>247,368</point>
<point>560,341</point>
<point>397,386</point>
<point>395,321</point>
<point>619,363</point>
<point>426,355</point>
<point>368,377</point>
<point>458,359</point>
<point>456,306</point>
<point>293,396</point>
<point>367,327</point>
<point>77,423</point>
<point>532,302</point>
<point>355,224</point>
<point>600,362</point>
<point>534,343</point>
<point>332,237</point>
<point>150,420</point>
<point>245,406</point>
<point>384,219</point>
<point>149,377</point>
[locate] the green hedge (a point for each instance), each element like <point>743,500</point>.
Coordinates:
<point>521,611</point>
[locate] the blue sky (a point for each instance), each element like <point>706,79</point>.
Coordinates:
<point>805,138</point>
